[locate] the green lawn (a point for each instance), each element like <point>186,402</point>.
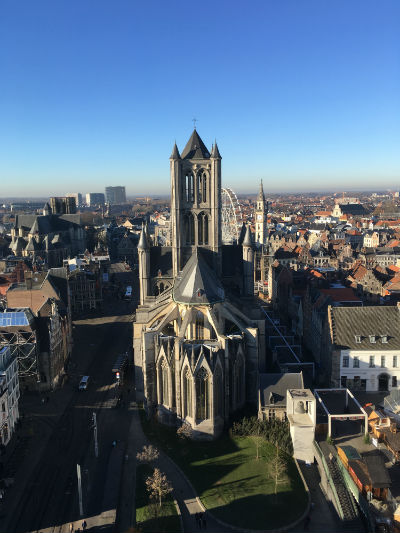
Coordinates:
<point>231,482</point>
<point>167,519</point>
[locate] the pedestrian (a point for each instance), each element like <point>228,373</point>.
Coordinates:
<point>204,521</point>
<point>71,527</point>
<point>84,524</point>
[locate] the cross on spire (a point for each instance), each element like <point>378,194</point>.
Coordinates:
<point>194,120</point>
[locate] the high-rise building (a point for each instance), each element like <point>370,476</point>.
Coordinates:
<point>77,196</point>
<point>115,195</point>
<point>94,198</point>
<point>63,205</point>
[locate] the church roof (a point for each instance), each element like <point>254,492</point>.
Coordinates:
<point>197,283</point>
<point>195,148</point>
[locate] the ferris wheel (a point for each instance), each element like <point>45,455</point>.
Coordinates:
<point>232,217</point>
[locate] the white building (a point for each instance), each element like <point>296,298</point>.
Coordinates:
<point>365,347</point>
<point>9,398</point>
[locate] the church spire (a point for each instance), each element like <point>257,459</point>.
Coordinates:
<point>215,152</point>
<point>143,243</point>
<point>261,197</point>
<point>175,152</point>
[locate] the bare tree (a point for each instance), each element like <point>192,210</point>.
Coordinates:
<point>185,431</point>
<point>158,486</point>
<point>148,454</point>
<point>278,469</point>
<point>257,438</point>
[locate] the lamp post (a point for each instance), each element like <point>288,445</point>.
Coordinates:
<point>96,444</point>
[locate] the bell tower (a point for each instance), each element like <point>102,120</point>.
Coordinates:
<point>195,202</point>
<point>260,217</point>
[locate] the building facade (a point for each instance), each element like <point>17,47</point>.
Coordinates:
<point>197,336</point>
<point>115,195</point>
<point>10,398</point>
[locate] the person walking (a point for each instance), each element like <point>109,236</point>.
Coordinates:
<point>71,527</point>
<point>84,524</point>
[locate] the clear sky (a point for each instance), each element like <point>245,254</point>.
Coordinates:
<point>302,93</point>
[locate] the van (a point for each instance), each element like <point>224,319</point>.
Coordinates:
<point>84,383</point>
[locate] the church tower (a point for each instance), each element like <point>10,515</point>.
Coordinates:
<point>195,203</point>
<point>260,217</point>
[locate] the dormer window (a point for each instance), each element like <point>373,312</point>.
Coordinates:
<point>372,339</point>
<point>358,339</point>
<point>384,339</point>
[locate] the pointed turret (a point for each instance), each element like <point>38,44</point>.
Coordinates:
<point>175,153</point>
<point>248,263</point>
<point>248,240</point>
<point>143,243</point>
<point>46,209</point>
<point>215,152</point>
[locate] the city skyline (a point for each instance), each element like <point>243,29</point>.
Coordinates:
<point>297,95</point>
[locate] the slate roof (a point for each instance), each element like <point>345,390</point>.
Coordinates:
<point>44,224</point>
<point>353,209</point>
<point>195,148</point>
<point>274,387</point>
<point>197,284</point>
<point>161,260</point>
<point>378,321</point>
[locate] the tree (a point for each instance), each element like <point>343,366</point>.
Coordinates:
<point>278,469</point>
<point>148,454</point>
<point>158,486</point>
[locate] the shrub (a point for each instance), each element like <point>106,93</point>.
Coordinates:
<point>274,431</point>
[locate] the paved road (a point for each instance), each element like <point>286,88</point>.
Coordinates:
<point>50,495</point>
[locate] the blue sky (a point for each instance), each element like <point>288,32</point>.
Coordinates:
<point>301,93</point>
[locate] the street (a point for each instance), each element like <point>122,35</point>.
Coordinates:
<point>50,497</point>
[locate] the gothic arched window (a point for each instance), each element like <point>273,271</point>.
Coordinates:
<point>189,187</point>
<point>202,225</point>
<point>199,188</point>
<point>204,180</point>
<point>199,325</point>
<point>218,393</point>
<point>164,389</point>
<point>187,394</point>
<point>202,395</point>
<point>189,228</point>
<point>239,381</point>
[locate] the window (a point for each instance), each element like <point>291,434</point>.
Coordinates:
<point>164,383</point>
<point>343,381</point>
<point>358,339</point>
<point>394,381</point>
<point>218,394</point>
<point>395,361</point>
<point>345,361</point>
<point>384,339</point>
<point>371,361</point>
<point>372,339</point>
<point>3,407</point>
<point>356,362</point>
<point>187,392</point>
<point>383,361</point>
<point>271,414</point>
<point>202,395</point>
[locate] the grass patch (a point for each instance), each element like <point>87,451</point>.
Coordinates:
<point>235,486</point>
<point>149,516</point>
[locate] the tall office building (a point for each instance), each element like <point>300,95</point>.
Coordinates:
<point>115,195</point>
<point>94,198</point>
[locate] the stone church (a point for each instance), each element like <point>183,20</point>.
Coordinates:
<point>199,340</point>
